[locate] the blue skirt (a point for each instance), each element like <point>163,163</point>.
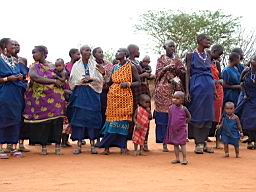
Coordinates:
<point>113,140</point>
<point>201,106</point>
<point>230,140</point>
<point>11,108</point>
<point>115,135</point>
<point>161,120</point>
<point>84,113</point>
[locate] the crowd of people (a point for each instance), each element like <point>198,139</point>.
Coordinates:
<point>109,103</point>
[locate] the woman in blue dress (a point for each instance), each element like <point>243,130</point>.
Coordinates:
<point>84,110</point>
<point>231,79</point>
<point>12,91</point>
<point>248,117</point>
<point>200,89</point>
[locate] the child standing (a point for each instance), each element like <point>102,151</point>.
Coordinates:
<point>231,129</point>
<point>178,118</point>
<point>142,117</point>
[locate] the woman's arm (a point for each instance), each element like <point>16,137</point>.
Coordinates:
<point>228,86</point>
<point>135,77</point>
<point>35,77</point>
<point>226,77</point>
<point>239,126</point>
<point>188,115</point>
<point>188,66</point>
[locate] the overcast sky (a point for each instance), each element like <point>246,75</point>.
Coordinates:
<point>61,25</point>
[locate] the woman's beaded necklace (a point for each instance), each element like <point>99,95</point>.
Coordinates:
<point>253,77</point>
<point>10,61</point>
<point>200,55</point>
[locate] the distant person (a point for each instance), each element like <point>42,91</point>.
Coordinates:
<point>200,91</point>
<point>216,52</point>
<point>45,103</point>
<point>177,130</point>
<point>239,51</point>
<point>74,55</point>
<point>231,79</point>
<point>139,89</point>
<point>108,67</point>
<point>22,62</point>
<point>84,110</point>
<point>248,104</point>
<point>11,98</point>
<point>231,129</point>
<point>141,120</point>
<point>169,75</point>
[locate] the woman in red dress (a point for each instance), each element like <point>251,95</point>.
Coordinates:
<point>216,52</point>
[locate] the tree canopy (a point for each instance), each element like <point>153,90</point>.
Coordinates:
<point>182,28</point>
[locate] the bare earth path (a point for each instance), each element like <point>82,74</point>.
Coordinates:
<point>205,173</point>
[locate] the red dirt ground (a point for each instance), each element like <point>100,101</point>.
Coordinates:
<point>154,172</point>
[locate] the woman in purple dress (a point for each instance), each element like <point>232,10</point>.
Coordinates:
<point>44,103</point>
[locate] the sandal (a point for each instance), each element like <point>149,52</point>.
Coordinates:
<point>3,155</point>
<point>251,146</point>
<point>8,149</point>
<point>23,149</point>
<point>175,161</point>
<point>16,153</point>
<point>199,149</point>
<point>208,150</point>
<point>44,151</point>
<point>226,155</point>
<point>77,151</point>
<point>124,152</point>
<point>145,148</point>
<point>184,162</point>
<point>142,154</point>
<point>58,151</point>
<point>165,149</point>
<point>93,151</point>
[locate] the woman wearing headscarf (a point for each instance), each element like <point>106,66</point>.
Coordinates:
<point>44,103</point>
<point>120,103</point>
<point>170,75</point>
<point>200,91</point>
<point>84,110</point>
<point>99,58</point>
<point>11,97</point>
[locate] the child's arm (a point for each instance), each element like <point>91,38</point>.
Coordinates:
<point>220,125</point>
<point>137,126</point>
<point>187,114</point>
<point>239,126</point>
<point>150,117</point>
<point>63,77</point>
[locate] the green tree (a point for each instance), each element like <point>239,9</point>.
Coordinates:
<point>247,42</point>
<point>109,55</point>
<point>183,27</point>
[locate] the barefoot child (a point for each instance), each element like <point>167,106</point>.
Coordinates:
<point>178,117</point>
<point>142,117</point>
<point>231,129</point>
